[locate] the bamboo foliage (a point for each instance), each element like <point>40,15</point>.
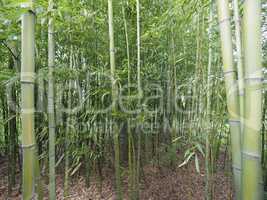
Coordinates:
<point>231,91</point>
<point>252,186</point>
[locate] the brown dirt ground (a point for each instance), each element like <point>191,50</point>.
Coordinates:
<point>159,184</point>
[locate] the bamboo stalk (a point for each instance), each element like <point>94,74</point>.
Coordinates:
<point>252,186</point>
<point>12,124</point>
<point>114,92</point>
<point>231,91</point>
<point>138,162</point>
<point>51,109</point>
<point>239,62</point>
<point>27,104</point>
<point>129,131</point>
<point>68,130</point>
<point>207,154</point>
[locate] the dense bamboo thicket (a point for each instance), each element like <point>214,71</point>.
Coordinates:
<point>104,99</point>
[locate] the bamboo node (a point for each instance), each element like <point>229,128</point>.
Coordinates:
<point>254,80</point>
<point>236,168</point>
<point>51,32</point>
<point>26,82</point>
<point>27,77</point>
<point>229,72</point>
<point>255,83</point>
<point>234,122</point>
<point>251,156</point>
<point>29,146</point>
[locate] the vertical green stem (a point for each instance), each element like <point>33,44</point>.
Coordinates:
<point>207,154</point>
<point>252,186</point>
<point>68,132</point>
<point>239,63</point>
<point>140,95</point>
<point>27,104</point>
<point>51,109</point>
<point>114,101</point>
<point>231,91</point>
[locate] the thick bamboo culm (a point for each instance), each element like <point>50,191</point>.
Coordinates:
<point>27,104</point>
<point>231,91</point>
<point>252,186</point>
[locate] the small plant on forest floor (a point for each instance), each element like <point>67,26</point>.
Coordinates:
<point>192,153</point>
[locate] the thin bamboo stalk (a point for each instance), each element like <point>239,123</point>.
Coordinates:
<point>51,108</point>
<point>68,131</point>
<point>114,92</point>
<point>129,131</point>
<point>138,163</point>
<point>12,124</point>
<point>239,62</point>
<point>207,156</point>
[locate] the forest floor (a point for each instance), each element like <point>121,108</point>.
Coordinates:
<point>162,183</point>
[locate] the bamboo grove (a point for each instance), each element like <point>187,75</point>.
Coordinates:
<point>94,85</point>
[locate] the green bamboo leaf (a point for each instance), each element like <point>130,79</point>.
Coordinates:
<point>76,169</point>
<point>176,139</point>
<point>187,159</point>
<point>200,149</point>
